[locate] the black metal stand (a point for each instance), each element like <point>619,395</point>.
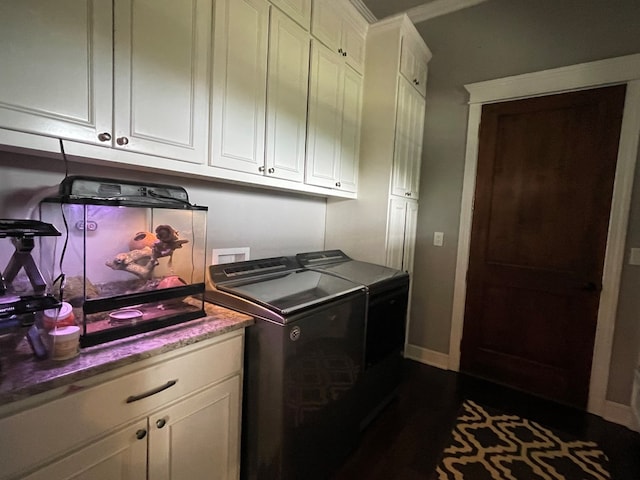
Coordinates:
<point>22,258</point>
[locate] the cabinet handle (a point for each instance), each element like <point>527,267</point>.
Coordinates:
<point>340,51</point>
<point>344,54</point>
<point>408,194</point>
<point>161,423</point>
<point>261,169</point>
<point>140,434</point>
<point>135,398</point>
<point>104,137</point>
<point>338,184</point>
<point>122,140</point>
<point>271,170</point>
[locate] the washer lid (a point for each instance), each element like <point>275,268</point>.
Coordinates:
<point>291,291</point>
<point>337,263</point>
<point>273,288</point>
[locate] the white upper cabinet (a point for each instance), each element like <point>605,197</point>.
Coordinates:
<point>288,87</point>
<point>133,78</point>
<point>162,50</point>
<point>239,84</point>
<point>333,136</point>
<point>391,149</point>
<point>336,24</point>
<point>413,63</point>
<point>325,118</point>
<point>407,153</point>
<point>259,118</point>
<point>299,10</point>
<point>350,133</point>
<point>56,68</point>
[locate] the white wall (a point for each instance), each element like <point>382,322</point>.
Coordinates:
<point>270,223</point>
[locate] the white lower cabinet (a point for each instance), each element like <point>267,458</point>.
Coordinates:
<point>175,418</point>
<point>119,456</point>
<point>197,437</point>
<point>401,233</point>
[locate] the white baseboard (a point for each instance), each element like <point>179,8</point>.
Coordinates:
<point>426,356</point>
<point>620,414</point>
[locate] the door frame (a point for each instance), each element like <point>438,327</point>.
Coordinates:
<point>561,80</point>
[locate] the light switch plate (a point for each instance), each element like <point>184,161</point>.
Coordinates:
<point>438,239</point>
<point>634,257</point>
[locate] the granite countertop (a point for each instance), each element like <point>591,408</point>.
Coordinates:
<point>22,375</point>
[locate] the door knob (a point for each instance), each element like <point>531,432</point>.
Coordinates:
<point>161,423</point>
<point>140,434</point>
<point>104,137</point>
<point>122,140</point>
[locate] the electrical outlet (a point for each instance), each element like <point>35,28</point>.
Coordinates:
<point>229,255</point>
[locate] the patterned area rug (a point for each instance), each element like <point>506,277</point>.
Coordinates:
<point>487,444</point>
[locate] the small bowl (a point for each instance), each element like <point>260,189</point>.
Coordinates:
<point>126,316</point>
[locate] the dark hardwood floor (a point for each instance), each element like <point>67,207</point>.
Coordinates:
<point>405,441</point>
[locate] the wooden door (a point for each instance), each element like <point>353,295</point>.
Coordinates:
<point>544,183</point>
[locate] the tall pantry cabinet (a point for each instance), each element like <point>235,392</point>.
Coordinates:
<point>380,226</point>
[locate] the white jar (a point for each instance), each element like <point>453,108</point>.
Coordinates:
<point>65,342</point>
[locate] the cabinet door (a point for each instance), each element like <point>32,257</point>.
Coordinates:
<point>410,227</point>
<point>408,142</point>
<point>119,456</point>
<point>299,10</point>
<point>287,98</point>
<point>413,65</point>
<point>325,117</point>
<point>401,182</point>
<point>198,437</point>
<point>56,67</point>
<point>396,233</point>
<point>239,84</point>
<point>350,135</point>
<point>416,138</point>
<point>326,24</point>
<point>161,89</point>
<point>353,43</point>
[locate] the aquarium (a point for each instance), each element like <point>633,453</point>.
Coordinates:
<point>130,257</point>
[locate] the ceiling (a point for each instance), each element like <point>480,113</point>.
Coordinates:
<point>417,10</point>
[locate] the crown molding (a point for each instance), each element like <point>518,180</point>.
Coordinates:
<point>364,11</point>
<point>436,8</point>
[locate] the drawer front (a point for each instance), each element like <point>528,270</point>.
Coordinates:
<point>50,429</point>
